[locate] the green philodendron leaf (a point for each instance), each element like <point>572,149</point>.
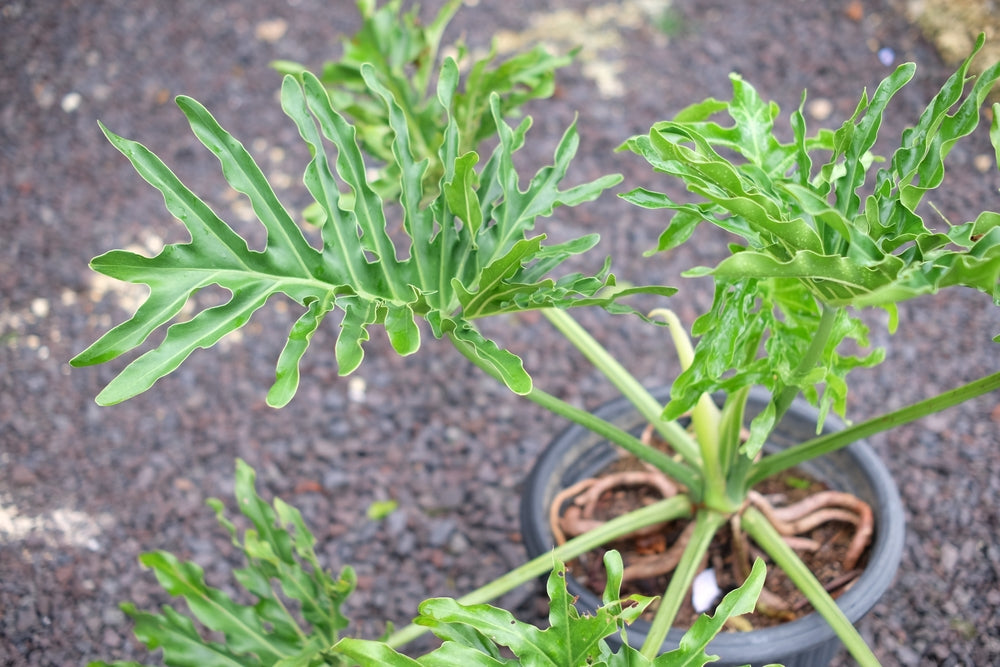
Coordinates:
<point>517,80</point>
<point>484,636</point>
<point>243,628</point>
<point>506,366</point>
<point>862,138</point>
<point>289,558</point>
<point>781,318</point>
<point>468,253</point>
<point>293,627</point>
<point>366,652</point>
<point>403,54</point>
<point>807,242</point>
<point>571,638</point>
<point>459,640</point>
<point>995,132</point>
<point>461,192</point>
<point>452,653</point>
<point>316,652</point>
<point>691,652</point>
<point>836,279</point>
<point>286,374</point>
<point>182,645</point>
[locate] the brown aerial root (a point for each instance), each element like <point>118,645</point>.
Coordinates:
<point>802,517</point>
<point>588,499</point>
<point>773,605</point>
<point>768,603</point>
<point>555,509</point>
<point>653,565</point>
<point>818,509</point>
<point>574,511</point>
<point>578,518</point>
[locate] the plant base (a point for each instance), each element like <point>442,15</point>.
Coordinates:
<point>577,454</point>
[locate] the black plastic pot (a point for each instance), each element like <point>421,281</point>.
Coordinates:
<point>807,642</point>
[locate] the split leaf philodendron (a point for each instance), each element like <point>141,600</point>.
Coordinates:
<point>811,248</point>
<point>281,567</point>
<point>810,252</point>
<point>451,272</point>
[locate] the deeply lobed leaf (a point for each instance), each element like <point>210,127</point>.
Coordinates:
<point>473,634</point>
<point>808,243</point>
<point>267,632</point>
<point>468,253</point>
<point>478,634</point>
<point>403,55</point>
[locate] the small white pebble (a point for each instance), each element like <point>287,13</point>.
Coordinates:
<point>12,10</point>
<point>71,102</point>
<point>704,590</point>
<point>154,244</point>
<point>271,31</point>
<point>243,210</point>
<point>820,109</point>
<point>983,163</point>
<point>886,56</point>
<point>40,307</point>
<point>281,180</point>
<point>356,389</point>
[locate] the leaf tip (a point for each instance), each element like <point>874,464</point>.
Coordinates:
<point>106,398</point>
<point>279,395</point>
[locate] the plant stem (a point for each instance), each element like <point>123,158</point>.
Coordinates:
<point>669,509</point>
<point>760,529</point>
<point>643,401</point>
<point>705,418</point>
<point>824,444</point>
<point>678,471</point>
<point>707,523</point>
<point>808,361</point>
<point>731,425</point>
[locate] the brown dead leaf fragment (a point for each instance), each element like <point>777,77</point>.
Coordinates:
<point>308,486</point>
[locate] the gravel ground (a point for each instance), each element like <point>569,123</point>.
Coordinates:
<point>84,490</point>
